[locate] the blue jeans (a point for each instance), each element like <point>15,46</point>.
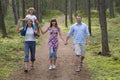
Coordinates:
<point>53,54</point>
<point>29,46</point>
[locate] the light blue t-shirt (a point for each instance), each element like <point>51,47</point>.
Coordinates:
<point>80,31</point>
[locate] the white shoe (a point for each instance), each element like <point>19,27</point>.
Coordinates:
<point>51,67</point>
<point>78,69</point>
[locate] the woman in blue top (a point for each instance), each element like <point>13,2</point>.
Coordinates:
<point>29,43</point>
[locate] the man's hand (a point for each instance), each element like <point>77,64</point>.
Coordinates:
<point>89,42</point>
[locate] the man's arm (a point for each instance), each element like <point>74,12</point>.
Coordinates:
<point>89,41</point>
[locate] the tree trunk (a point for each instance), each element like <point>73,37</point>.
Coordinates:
<point>23,9</point>
<point>4,6</point>
<point>15,6</point>
<point>70,11</point>
<point>117,5</point>
<point>66,10</point>
<point>103,24</point>
<point>76,7</point>
<point>111,9</point>
<point>40,10</point>
<point>2,23</point>
<point>89,15</point>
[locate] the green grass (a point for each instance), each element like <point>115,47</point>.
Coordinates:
<point>49,14</point>
<point>104,68</point>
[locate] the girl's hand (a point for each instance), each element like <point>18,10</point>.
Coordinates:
<point>35,31</point>
<point>19,21</point>
<point>65,43</point>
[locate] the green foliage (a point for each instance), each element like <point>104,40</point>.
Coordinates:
<point>94,13</point>
<point>104,68</point>
<point>48,14</point>
<point>10,54</point>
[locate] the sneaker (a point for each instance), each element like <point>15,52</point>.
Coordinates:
<point>53,66</point>
<point>78,69</point>
<point>25,70</point>
<point>31,67</point>
<point>50,67</point>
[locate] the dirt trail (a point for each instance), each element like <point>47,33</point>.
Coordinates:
<point>65,63</point>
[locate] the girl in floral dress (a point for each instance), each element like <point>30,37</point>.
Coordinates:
<point>54,31</point>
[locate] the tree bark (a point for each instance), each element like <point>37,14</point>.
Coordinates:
<point>76,7</point>
<point>15,6</point>
<point>103,25</point>
<point>71,11</point>
<point>66,11</point>
<point>89,15</point>
<point>111,9</point>
<point>2,23</point>
<point>23,9</point>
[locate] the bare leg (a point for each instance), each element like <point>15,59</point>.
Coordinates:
<point>51,62</point>
<point>77,63</point>
<point>81,61</point>
<point>54,62</point>
<point>32,64</point>
<point>26,66</point>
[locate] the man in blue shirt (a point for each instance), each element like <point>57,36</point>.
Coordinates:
<point>80,32</point>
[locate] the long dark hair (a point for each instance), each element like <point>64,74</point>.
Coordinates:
<point>53,20</point>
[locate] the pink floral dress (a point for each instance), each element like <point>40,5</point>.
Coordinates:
<point>53,39</point>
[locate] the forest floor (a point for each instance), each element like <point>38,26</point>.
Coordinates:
<point>65,69</point>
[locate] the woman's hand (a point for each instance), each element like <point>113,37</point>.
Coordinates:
<point>66,43</point>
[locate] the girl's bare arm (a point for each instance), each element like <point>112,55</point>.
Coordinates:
<point>43,32</point>
<point>18,26</point>
<point>60,35</point>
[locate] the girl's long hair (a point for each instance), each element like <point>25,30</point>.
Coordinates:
<point>53,20</point>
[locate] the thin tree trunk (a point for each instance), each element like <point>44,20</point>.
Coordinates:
<point>23,9</point>
<point>71,11</point>
<point>111,9</point>
<point>89,15</point>
<point>2,23</point>
<point>76,7</point>
<point>15,6</point>
<point>66,2</point>
<point>103,24</point>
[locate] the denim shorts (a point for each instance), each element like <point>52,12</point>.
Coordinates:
<point>29,46</point>
<point>53,54</point>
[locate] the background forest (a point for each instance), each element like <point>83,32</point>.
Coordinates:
<point>102,17</point>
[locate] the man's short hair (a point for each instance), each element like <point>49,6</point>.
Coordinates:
<point>78,16</point>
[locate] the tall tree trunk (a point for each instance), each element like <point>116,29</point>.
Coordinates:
<point>117,5</point>
<point>89,15</point>
<point>71,11</point>
<point>103,24</point>
<point>111,9</point>
<point>23,9</point>
<point>66,11</point>
<point>5,6</point>
<point>2,23</point>
<point>15,6</point>
<point>76,7</point>
<point>40,10</point>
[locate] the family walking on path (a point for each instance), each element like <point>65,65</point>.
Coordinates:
<point>80,32</point>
